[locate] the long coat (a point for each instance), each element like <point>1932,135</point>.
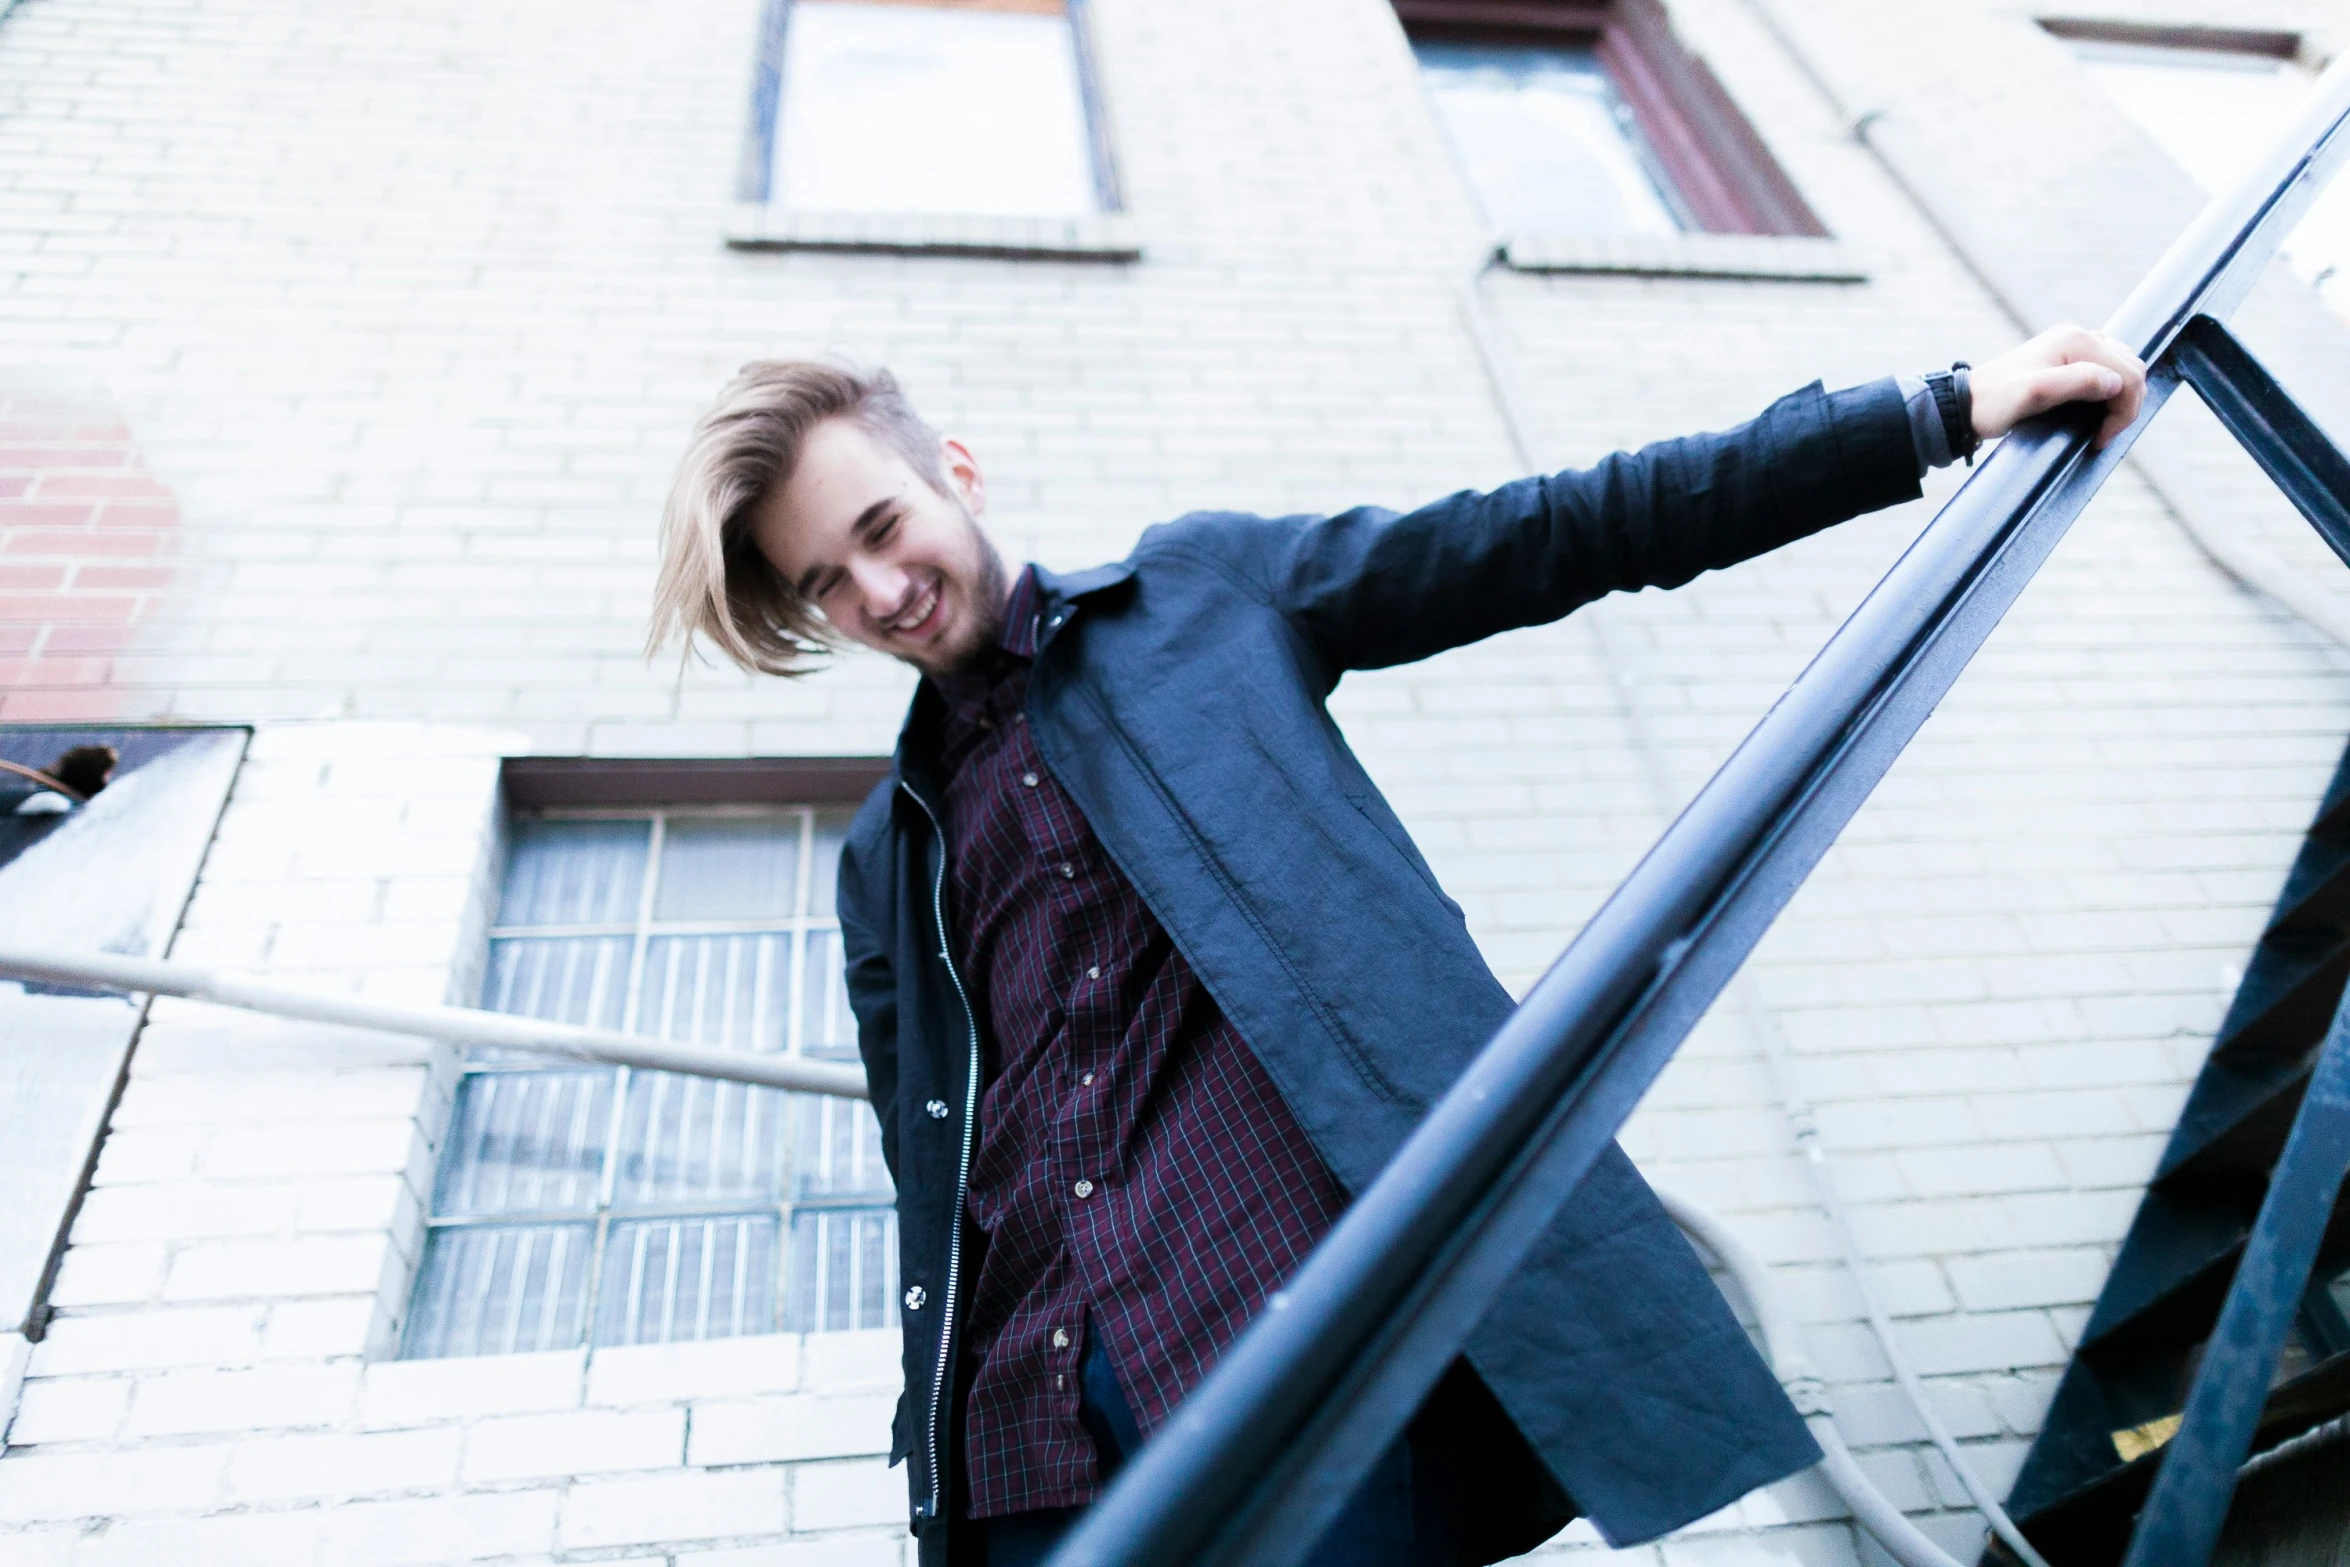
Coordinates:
<point>1179,696</point>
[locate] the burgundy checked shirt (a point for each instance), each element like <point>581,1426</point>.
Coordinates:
<point>1134,1161</point>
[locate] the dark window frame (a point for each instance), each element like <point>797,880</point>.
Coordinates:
<point>1721,170</point>
<point>2266,42</point>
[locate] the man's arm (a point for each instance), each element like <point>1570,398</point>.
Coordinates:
<point>1372,588</point>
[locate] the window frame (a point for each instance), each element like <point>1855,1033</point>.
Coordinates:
<point>1721,170</point>
<point>585,789</point>
<point>762,221</point>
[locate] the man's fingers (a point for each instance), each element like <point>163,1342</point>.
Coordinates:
<point>2085,382</point>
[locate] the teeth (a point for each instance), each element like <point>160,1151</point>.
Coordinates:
<point>922,609</point>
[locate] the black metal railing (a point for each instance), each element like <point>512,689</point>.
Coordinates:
<point>1255,1463</point>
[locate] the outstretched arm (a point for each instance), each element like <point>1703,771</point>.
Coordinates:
<point>1371,587</point>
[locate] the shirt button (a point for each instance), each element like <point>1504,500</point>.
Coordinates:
<point>1028,779</point>
<point>1083,1188</point>
<point>1060,1338</point>
<point>915,1297</point>
<point>1087,1080</point>
<point>1068,871</point>
<point>1060,1379</point>
<point>936,1109</point>
<point>1095,972</point>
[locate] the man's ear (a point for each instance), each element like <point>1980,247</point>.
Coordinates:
<point>964,480</point>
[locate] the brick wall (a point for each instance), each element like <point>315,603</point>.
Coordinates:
<point>86,547</point>
<point>410,309</point>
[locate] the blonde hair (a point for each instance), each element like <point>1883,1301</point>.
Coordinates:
<point>713,581</point>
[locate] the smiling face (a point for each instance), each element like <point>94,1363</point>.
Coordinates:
<point>890,562</point>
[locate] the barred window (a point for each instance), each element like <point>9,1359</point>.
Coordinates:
<point>611,1206</point>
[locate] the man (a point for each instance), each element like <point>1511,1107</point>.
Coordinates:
<point>1148,978</point>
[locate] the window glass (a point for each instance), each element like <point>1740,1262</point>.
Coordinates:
<point>2213,112</point>
<point>625,1207</point>
<point>1548,144</point>
<point>974,108</point>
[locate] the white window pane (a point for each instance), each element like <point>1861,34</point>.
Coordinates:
<point>729,870</point>
<point>574,873</point>
<point>563,979</point>
<point>691,1139</point>
<point>832,830</point>
<point>1548,146</point>
<point>2213,113</point>
<point>501,1290</point>
<point>827,1028</point>
<point>733,992</point>
<point>525,1142</point>
<point>839,1149</point>
<point>671,1279</point>
<point>908,108</point>
<point>842,1273</point>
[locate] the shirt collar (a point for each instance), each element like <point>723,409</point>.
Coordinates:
<point>1018,637</point>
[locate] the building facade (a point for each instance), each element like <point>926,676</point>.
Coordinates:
<point>346,354</point>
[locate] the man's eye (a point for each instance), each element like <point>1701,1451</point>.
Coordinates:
<point>883,529</point>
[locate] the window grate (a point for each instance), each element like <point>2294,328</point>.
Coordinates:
<point>614,1206</point>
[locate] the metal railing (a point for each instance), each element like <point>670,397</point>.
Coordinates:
<point>1256,1462</point>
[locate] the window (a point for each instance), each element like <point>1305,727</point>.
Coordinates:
<point>2213,100</point>
<point>1590,119</point>
<point>611,1206</point>
<point>982,117</point>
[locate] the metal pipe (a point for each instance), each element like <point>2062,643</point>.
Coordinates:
<point>1806,1388</point>
<point>1255,1462</point>
<point>450,1025</point>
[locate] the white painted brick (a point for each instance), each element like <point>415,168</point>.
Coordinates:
<point>321,1329</point>
<point>124,1273</point>
<point>424,1392</point>
<point>182,1211</point>
<point>689,1506</point>
<point>176,1403</point>
<point>301,1468</point>
<point>343,1148</point>
<point>39,1547</point>
<point>2029,1278</point>
<point>790,1426</point>
<point>591,1441</point>
<point>845,1495</point>
<point>134,1341</point>
<point>625,1374</point>
<point>865,1550</point>
<point>68,1409</point>
<point>36,1487</point>
<point>873,1358</point>
<point>238,1270</point>
<point>359,1534</point>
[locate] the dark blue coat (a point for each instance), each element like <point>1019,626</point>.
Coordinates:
<point>1179,697</point>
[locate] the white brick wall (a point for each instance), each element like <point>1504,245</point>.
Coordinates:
<point>412,307</point>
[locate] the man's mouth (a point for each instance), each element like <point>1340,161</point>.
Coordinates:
<point>916,618</point>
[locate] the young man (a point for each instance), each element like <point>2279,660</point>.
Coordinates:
<point>1148,978</point>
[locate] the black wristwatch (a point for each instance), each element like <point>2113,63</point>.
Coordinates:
<point>1954,400</point>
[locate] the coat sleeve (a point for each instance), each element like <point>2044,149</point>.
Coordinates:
<point>1370,588</point>
<point>864,903</point>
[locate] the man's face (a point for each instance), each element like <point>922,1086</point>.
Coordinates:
<point>892,563</point>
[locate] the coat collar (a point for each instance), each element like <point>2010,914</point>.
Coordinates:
<point>1055,596</point>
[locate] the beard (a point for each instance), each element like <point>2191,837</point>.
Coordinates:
<point>985,591</point>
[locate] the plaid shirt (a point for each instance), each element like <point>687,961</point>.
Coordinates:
<point>1134,1161</point>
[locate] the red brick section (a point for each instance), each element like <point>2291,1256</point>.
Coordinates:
<point>86,545</point>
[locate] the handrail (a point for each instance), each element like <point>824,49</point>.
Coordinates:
<point>451,1025</point>
<point>1254,1463</point>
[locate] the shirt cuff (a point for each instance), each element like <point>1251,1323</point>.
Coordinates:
<point>1925,424</point>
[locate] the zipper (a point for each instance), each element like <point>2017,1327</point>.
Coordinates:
<point>946,1310</point>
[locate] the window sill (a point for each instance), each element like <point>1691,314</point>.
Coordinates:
<point>1100,236</point>
<point>1794,258</point>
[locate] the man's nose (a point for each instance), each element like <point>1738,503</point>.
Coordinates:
<point>881,587</point>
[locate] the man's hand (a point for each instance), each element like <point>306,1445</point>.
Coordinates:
<point>2065,364</point>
